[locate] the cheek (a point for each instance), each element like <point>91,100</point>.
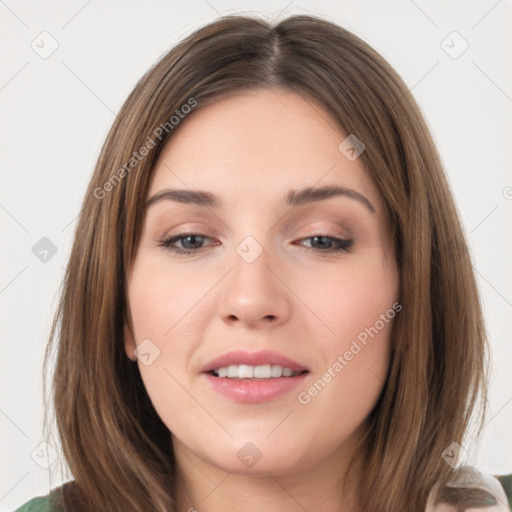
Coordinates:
<point>170,309</point>
<point>160,299</point>
<point>350,299</point>
<point>357,310</point>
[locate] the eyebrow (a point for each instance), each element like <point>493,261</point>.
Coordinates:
<point>294,198</point>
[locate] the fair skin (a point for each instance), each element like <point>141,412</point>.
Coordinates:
<point>250,150</point>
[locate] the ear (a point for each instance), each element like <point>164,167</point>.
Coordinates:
<point>129,343</point>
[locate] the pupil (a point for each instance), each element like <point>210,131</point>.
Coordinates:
<point>322,240</point>
<point>192,237</point>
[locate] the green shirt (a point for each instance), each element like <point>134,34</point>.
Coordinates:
<point>42,504</point>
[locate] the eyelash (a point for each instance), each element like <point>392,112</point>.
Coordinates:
<point>344,245</point>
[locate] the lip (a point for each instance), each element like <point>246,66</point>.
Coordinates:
<point>253,359</point>
<point>253,390</point>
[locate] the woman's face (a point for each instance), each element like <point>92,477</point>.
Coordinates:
<point>268,275</point>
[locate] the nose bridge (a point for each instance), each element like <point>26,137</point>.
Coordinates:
<point>251,274</point>
<point>252,293</point>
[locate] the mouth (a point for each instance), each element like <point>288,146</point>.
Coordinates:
<point>254,377</point>
<point>260,372</point>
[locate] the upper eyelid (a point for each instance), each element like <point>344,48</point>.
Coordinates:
<point>343,230</point>
<point>313,233</point>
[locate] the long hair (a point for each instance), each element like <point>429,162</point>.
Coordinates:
<point>118,449</point>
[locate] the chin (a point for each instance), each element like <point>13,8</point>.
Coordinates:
<point>258,458</point>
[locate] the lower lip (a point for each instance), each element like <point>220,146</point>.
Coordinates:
<point>254,390</point>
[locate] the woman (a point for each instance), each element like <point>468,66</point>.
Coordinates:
<point>269,304</point>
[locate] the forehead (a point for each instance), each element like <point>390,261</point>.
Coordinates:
<point>262,143</point>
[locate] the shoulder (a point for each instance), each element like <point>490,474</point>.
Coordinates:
<point>506,483</point>
<point>52,502</point>
<point>469,488</point>
<point>40,504</point>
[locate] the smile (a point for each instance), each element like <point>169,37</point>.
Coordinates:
<point>245,371</point>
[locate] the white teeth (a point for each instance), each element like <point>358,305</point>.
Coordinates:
<point>232,371</point>
<point>276,371</point>
<point>245,371</point>
<point>263,372</point>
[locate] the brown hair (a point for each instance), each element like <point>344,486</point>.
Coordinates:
<point>118,449</point>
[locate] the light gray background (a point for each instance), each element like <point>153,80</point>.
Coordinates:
<point>55,114</point>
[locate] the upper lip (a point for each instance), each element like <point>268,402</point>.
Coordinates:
<point>259,358</point>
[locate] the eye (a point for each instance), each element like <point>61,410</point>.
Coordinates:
<point>326,243</point>
<point>193,242</point>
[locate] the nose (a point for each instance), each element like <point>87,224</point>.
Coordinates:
<point>254,294</point>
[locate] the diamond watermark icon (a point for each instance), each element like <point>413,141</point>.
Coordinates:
<point>249,249</point>
<point>146,352</point>
<point>44,455</point>
<point>453,453</point>
<point>44,250</point>
<point>45,45</point>
<point>454,45</point>
<point>249,454</point>
<point>351,147</point>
